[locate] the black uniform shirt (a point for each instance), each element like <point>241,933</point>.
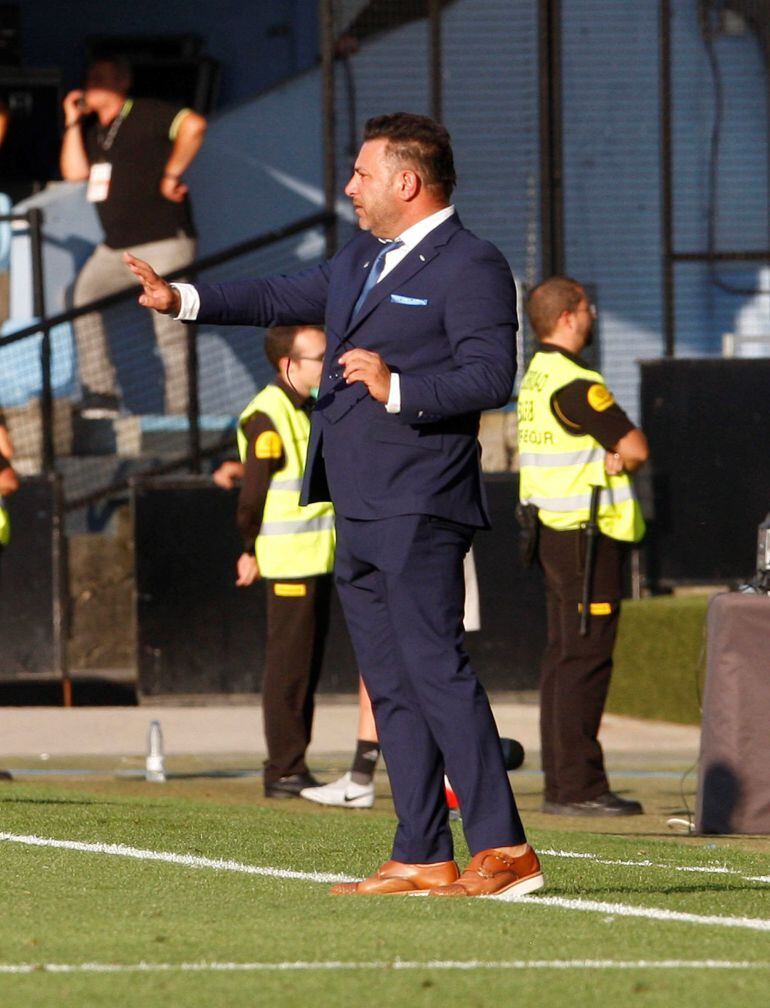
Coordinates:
<point>138,147</point>
<point>586,407</point>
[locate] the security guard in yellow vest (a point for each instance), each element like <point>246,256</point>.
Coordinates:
<point>8,482</point>
<point>573,436</point>
<point>290,547</point>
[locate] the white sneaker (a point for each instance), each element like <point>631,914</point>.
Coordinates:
<point>343,792</point>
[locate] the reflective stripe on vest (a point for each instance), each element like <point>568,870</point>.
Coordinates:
<point>558,469</point>
<point>293,541</point>
<point>562,458</point>
<point>320,524</point>
<point>609,495</point>
<point>5,525</point>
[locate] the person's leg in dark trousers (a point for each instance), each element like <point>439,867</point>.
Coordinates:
<point>576,670</point>
<point>401,585</point>
<point>297,624</point>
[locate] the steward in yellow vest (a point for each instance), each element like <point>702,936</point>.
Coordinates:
<point>292,541</point>
<point>290,547</point>
<point>9,482</point>
<point>573,436</point>
<point>5,525</point>
<point>559,461</point>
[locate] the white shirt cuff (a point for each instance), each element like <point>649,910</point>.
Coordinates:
<point>393,405</point>
<point>191,303</point>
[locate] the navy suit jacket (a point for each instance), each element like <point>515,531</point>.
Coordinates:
<point>445,319</point>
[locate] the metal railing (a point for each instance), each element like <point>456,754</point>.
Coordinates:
<point>195,451</point>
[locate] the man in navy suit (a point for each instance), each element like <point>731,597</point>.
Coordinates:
<point>420,318</point>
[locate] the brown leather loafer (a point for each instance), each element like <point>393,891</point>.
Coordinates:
<point>492,873</point>
<point>399,877</point>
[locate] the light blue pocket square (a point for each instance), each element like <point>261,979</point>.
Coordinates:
<point>413,302</point>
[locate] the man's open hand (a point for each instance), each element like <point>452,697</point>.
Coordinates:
<point>369,368</point>
<point>157,293</point>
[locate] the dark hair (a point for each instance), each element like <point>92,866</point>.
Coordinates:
<point>419,142</point>
<point>549,299</point>
<point>279,341</point>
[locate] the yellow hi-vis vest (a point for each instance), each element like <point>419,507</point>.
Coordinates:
<point>557,469</point>
<point>293,541</point>
<point>5,525</point>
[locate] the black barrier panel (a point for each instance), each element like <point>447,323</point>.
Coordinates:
<point>708,423</point>
<point>506,651</point>
<point>30,151</point>
<point>32,574</point>
<point>198,633</point>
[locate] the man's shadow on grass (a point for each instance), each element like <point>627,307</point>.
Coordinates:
<point>614,892</point>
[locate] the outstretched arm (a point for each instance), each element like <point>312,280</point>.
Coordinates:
<point>297,299</point>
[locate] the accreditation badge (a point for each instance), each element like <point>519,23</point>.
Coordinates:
<point>99,182</point>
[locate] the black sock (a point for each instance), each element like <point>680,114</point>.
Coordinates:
<point>364,761</point>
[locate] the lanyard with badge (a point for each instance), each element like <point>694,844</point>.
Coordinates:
<point>100,175</point>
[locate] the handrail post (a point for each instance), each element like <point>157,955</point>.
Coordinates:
<point>47,445</point>
<point>666,181</point>
<point>551,155</point>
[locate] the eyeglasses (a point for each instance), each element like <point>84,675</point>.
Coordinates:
<point>590,308</point>
<point>317,360</point>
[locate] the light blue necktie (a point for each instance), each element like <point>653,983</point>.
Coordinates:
<point>374,273</point>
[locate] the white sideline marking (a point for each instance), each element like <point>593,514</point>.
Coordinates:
<point>193,861</point>
<point>397,964</point>
<point>629,910</point>
<point>186,860</point>
<point>646,863</point>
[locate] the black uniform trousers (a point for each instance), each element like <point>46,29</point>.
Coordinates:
<point>575,674</point>
<point>297,626</point>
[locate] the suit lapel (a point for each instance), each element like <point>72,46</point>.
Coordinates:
<point>416,260</point>
<point>356,270</point>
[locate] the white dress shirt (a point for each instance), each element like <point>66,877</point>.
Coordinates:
<point>410,238</point>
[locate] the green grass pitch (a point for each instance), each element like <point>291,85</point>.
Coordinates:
<point>89,928</point>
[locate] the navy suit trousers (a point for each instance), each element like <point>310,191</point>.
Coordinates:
<point>401,585</point>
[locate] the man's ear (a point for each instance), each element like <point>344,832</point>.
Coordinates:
<point>410,184</point>
<point>567,317</point>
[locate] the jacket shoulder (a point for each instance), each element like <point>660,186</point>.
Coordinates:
<point>480,248</point>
